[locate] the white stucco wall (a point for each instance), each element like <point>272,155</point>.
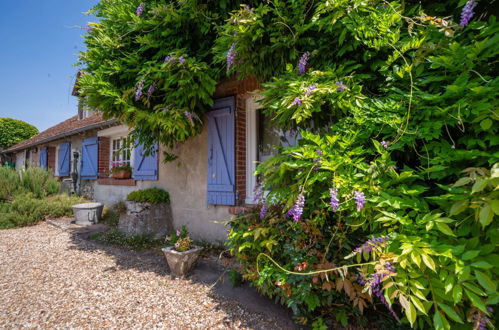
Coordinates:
<point>186,180</point>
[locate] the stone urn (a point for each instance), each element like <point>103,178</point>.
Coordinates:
<point>181,263</point>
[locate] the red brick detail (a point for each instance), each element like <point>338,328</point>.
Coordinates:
<point>51,159</point>
<point>242,90</point>
<point>104,151</point>
<point>116,182</point>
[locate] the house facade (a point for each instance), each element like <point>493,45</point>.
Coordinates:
<point>211,179</point>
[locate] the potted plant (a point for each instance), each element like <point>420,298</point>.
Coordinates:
<point>121,170</point>
<point>183,255</point>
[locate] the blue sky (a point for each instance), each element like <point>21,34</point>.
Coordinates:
<point>39,43</point>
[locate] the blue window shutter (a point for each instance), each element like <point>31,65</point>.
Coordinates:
<point>221,188</point>
<point>64,159</point>
<point>145,167</point>
<point>43,157</point>
<point>89,157</point>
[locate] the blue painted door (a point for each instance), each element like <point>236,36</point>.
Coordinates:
<point>145,166</point>
<point>221,188</point>
<point>64,159</point>
<point>44,157</point>
<point>89,158</point>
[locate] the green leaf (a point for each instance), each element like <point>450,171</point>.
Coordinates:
<point>429,262</point>
<point>485,281</point>
<point>479,185</point>
<point>494,205</point>
<point>462,181</point>
<point>486,124</point>
<point>444,228</point>
<point>439,322</point>
<point>477,302</point>
<point>468,255</point>
<point>411,313</point>
<point>419,305</point>
<point>482,264</point>
<point>458,207</point>
<point>457,293</point>
<point>450,312</point>
<point>404,302</point>
<point>486,215</point>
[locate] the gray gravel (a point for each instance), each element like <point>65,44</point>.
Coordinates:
<point>51,279</point>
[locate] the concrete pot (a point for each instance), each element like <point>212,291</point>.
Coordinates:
<point>181,263</point>
<point>87,214</point>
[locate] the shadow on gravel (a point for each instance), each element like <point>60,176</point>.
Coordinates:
<point>206,272</point>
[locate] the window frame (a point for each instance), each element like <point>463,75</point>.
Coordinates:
<point>120,138</point>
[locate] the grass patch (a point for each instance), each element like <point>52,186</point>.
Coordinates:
<point>137,243</point>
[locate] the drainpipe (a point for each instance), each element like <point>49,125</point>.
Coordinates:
<point>74,175</point>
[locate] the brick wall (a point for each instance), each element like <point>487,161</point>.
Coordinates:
<point>51,159</point>
<point>241,90</point>
<point>104,150</point>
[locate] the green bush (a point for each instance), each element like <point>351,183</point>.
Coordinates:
<point>151,195</point>
<point>39,181</point>
<point>25,209</point>
<point>9,183</point>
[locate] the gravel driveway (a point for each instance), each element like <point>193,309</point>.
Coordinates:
<point>49,279</point>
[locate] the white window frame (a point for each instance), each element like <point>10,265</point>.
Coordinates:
<point>252,107</point>
<point>111,151</point>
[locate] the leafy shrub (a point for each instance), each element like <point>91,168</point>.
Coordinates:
<point>110,217</point>
<point>39,181</point>
<point>137,242</point>
<point>151,195</point>
<point>25,209</point>
<point>9,183</point>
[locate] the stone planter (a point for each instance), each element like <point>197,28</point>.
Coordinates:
<point>146,219</point>
<point>122,174</point>
<point>181,263</point>
<point>87,214</point>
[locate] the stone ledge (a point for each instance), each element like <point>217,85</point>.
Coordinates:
<point>116,182</point>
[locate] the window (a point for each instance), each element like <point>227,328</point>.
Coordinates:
<point>261,141</point>
<point>120,152</point>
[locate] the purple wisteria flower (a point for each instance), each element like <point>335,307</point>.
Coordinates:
<point>297,101</point>
<point>231,56</point>
<point>302,64</point>
<point>319,152</point>
<point>360,199</point>
<point>467,13</point>
<point>189,116</point>
<point>140,9</point>
<point>374,282</point>
<point>151,90</point>
<point>297,210</point>
<point>88,28</point>
<point>480,319</point>
<point>138,90</point>
<point>341,86</point>
<point>181,59</point>
<point>169,59</point>
<point>335,202</point>
<point>263,211</point>
<point>258,193</point>
<point>310,90</point>
<point>384,144</point>
<point>372,243</point>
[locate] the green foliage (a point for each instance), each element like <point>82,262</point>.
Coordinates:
<point>235,278</point>
<point>137,242</point>
<point>110,217</point>
<point>180,239</point>
<point>404,110</point>
<point>151,195</point>
<point>37,181</point>
<point>14,131</point>
<point>26,209</point>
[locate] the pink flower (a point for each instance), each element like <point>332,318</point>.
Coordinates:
<point>178,233</point>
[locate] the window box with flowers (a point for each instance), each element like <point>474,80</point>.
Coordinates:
<point>121,171</point>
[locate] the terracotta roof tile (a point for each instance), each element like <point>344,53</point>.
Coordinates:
<point>68,127</point>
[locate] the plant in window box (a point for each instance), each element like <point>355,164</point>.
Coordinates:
<point>121,170</point>
<point>183,255</point>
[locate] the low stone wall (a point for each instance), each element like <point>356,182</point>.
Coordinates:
<point>146,219</point>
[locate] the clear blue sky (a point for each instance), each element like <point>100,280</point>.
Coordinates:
<point>39,43</point>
